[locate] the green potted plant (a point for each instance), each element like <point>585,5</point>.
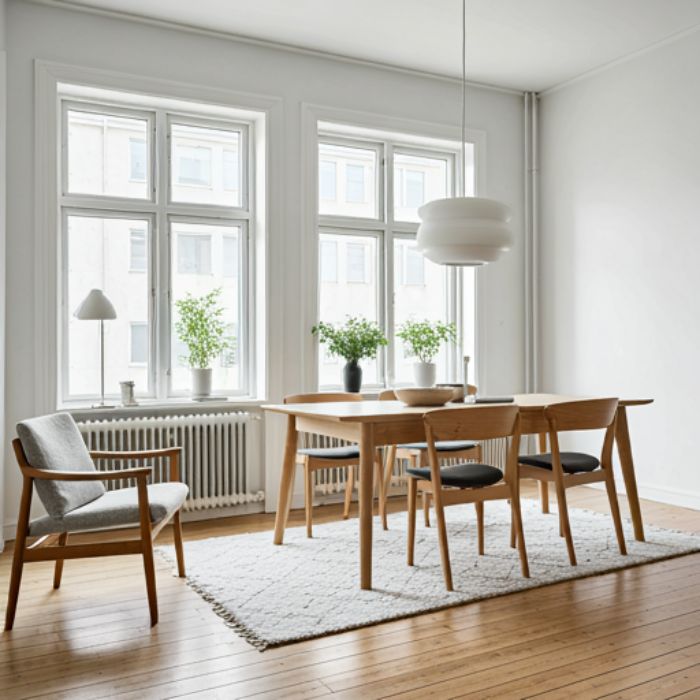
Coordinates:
<point>422,339</point>
<point>355,340</point>
<point>201,328</point>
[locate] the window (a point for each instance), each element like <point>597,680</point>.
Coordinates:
<point>137,160</point>
<point>180,241</point>
<point>356,257</point>
<point>138,253</point>
<point>348,177</point>
<point>355,183</point>
<point>193,165</point>
<point>139,344</point>
<point>230,256</point>
<point>329,261</point>
<point>193,253</point>
<point>383,277</point>
<point>327,185</point>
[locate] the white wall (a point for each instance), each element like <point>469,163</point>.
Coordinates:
<point>620,253</point>
<point>65,36</point>
<point>3,121</point>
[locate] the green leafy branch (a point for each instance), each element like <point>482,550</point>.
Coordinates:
<point>200,326</point>
<point>356,339</point>
<point>422,339</point>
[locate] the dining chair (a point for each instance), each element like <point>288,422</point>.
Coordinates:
<point>469,482</point>
<point>568,469</point>
<point>311,459</point>
<point>416,453</point>
<point>53,458</point>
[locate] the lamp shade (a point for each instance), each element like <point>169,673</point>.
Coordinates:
<point>465,231</point>
<point>95,307</point>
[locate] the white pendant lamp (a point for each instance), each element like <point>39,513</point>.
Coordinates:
<point>463,230</point>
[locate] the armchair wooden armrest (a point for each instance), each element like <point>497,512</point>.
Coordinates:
<point>172,453</point>
<point>53,475</point>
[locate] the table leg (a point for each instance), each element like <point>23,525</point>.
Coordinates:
<point>624,450</point>
<point>366,490</point>
<point>543,485</point>
<point>284,497</point>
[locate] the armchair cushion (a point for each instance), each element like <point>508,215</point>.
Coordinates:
<point>118,508</point>
<point>54,443</point>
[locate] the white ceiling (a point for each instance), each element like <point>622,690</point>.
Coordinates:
<point>523,44</point>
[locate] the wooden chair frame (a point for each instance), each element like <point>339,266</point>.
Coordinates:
<point>311,464</point>
<point>417,458</point>
<point>44,549</point>
<point>578,415</point>
<point>491,423</point>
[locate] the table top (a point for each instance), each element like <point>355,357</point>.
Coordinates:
<point>390,411</point>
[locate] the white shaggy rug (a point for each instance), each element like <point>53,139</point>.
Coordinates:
<point>273,595</point>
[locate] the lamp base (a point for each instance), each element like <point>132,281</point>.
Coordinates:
<point>103,405</point>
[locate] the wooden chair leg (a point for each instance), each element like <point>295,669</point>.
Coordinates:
<point>564,521</point>
<point>412,493</point>
<point>513,539</point>
<point>442,537</point>
<point>58,568</point>
<point>388,471</point>
<point>379,479</point>
<point>179,552</point>
<point>479,506</point>
<point>517,523</point>
<point>18,554</point>
<point>349,486</point>
<point>308,498</point>
<point>147,549</point>
<point>544,496</point>
<point>426,509</point>
<point>615,510</point>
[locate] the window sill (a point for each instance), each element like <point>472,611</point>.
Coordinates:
<point>80,410</point>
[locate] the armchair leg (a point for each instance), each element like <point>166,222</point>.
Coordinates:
<point>18,554</point>
<point>58,569</point>
<point>147,549</point>
<point>177,533</point>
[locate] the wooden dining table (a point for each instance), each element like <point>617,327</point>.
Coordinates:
<point>373,424</point>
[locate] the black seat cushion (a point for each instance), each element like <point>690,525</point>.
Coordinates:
<point>462,475</point>
<point>571,462</point>
<point>344,452</point>
<point>441,445</point>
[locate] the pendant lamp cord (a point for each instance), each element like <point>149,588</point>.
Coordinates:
<point>464,94</point>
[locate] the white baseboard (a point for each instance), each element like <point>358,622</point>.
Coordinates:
<point>660,494</point>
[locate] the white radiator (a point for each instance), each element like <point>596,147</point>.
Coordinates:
<point>218,452</point>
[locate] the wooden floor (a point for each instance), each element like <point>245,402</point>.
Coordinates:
<point>632,634</point>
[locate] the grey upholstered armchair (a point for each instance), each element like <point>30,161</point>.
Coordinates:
<point>53,457</point>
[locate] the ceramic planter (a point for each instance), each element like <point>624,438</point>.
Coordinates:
<point>424,373</point>
<point>201,383</point>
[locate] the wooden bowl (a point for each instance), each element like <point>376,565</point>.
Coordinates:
<point>420,396</point>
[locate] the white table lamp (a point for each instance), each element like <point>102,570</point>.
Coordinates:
<point>97,307</point>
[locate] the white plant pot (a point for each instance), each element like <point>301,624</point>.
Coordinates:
<point>424,373</point>
<point>201,383</point>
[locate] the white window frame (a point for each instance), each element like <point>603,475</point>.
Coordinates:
<point>160,211</point>
<point>387,229</point>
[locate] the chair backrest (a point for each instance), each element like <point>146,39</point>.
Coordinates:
<point>55,443</point>
<point>592,414</point>
<point>472,423</point>
<point>323,397</point>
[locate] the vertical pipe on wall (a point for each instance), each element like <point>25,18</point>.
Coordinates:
<point>530,122</point>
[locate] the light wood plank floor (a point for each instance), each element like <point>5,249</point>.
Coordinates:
<point>632,634</point>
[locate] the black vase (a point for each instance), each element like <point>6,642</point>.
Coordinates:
<point>352,376</point>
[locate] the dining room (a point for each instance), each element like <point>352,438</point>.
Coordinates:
<point>348,349</point>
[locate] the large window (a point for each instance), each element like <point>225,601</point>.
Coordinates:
<point>369,195</point>
<point>164,195</point>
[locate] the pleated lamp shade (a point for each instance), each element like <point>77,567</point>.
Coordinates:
<point>466,231</point>
<point>95,307</point>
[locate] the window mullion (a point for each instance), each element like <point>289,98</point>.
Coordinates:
<point>161,289</point>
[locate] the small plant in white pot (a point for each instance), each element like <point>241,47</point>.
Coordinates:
<point>422,339</point>
<point>201,328</point>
